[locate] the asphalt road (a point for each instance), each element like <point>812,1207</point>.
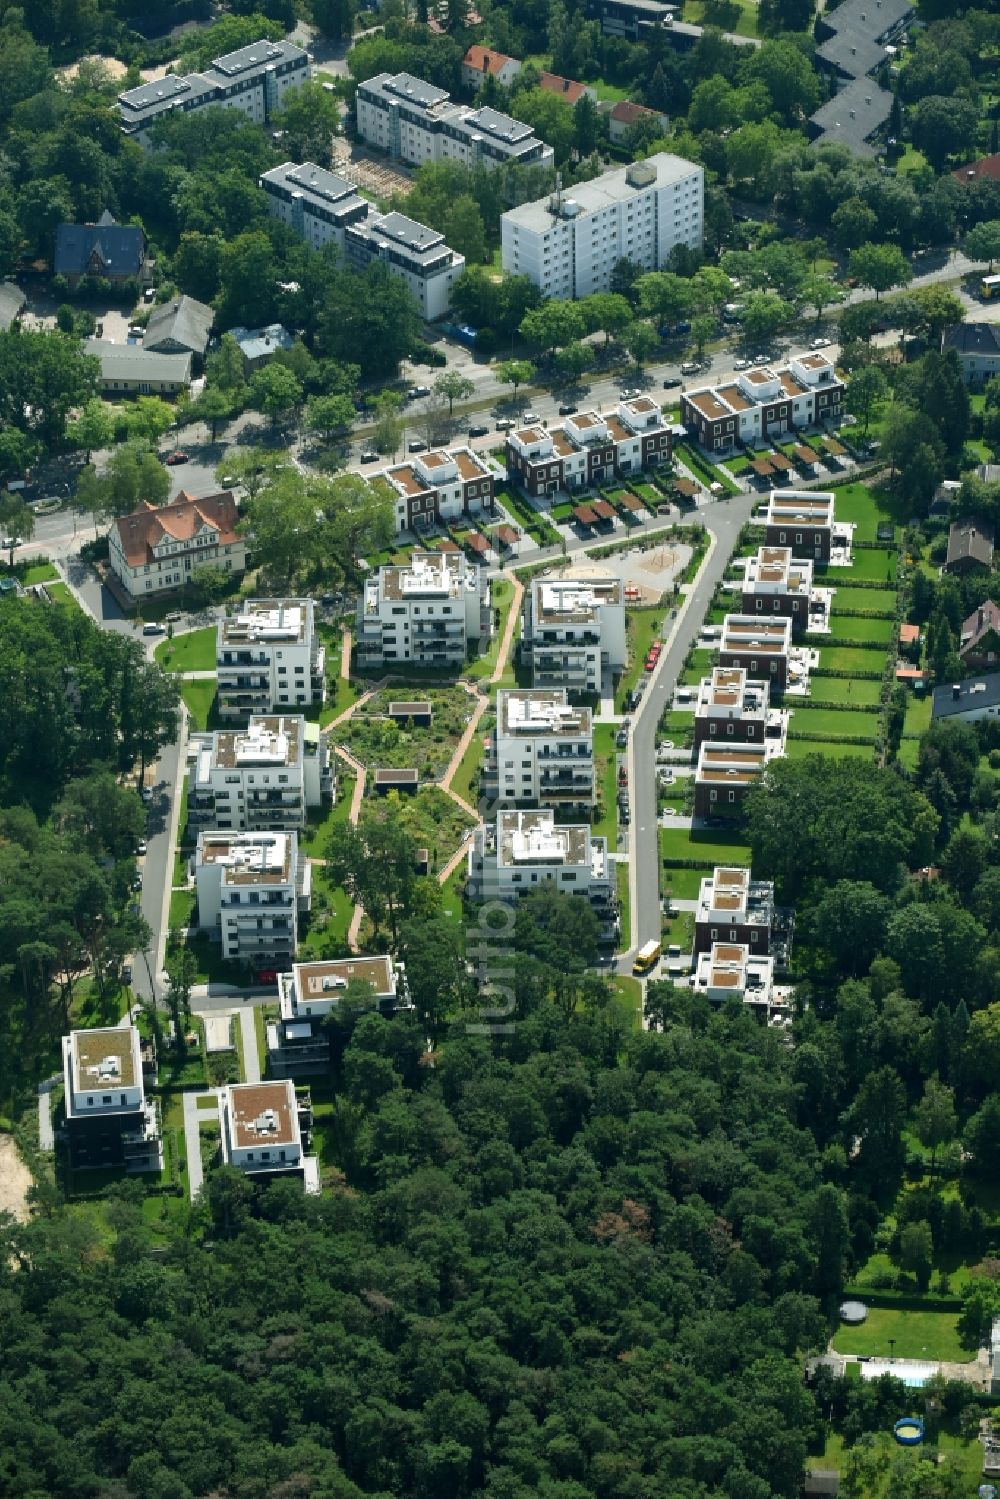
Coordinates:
<point>724,521</point>
<point>157,871</point>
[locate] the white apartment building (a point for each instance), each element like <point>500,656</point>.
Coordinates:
<point>109,1119</point>
<point>327,209</point>
<point>524,850</point>
<point>251,888</point>
<point>542,751</point>
<point>261,1129</point>
<point>156,549</point>
<point>428,611</point>
<point>730,971</point>
<point>569,243</point>
<point>269,658</point>
<point>265,777</point>
<point>414,121</point>
<point>312,992</point>
<point>254,80</point>
<point>573,630</point>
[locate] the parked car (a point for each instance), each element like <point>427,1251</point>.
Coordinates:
<point>227,481</point>
<point>137,882</point>
<point>671,383</point>
<point>820,343</point>
<point>417,446</point>
<point>368,456</point>
<point>415,392</point>
<point>178,457</point>
<point>567,410</point>
<point>741,364</point>
<point>11,541</point>
<point>506,424</point>
<point>173,616</point>
<point>762,359</point>
<point>126,973</point>
<point>154,628</point>
<point>690,367</point>
<point>140,848</point>
<point>682,327</point>
<point>146,793</point>
<point>531,416</point>
<point>479,430</point>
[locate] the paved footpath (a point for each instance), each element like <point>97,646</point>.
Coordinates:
<point>251,1058</point>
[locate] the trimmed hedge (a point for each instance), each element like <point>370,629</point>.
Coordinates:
<point>837,671</point>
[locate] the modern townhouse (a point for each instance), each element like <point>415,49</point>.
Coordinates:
<point>155,550</point>
<point>763,403</point>
<point>541,751</point>
<point>429,611</point>
<point>734,907</point>
<point>265,777</point>
<point>729,970</point>
<point>298,1042</point>
<point>269,658</point>
<point>568,244</point>
<point>253,79</point>
<point>725,772</point>
<point>252,887</point>
<point>732,707</point>
<point>801,520</point>
<point>761,647</point>
<point>778,583</point>
<point>588,448</point>
<point>416,122</point>
<point>441,486</point>
<point>573,631</point>
<point>109,1120</point>
<point>265,1131</point>
<point>525,850</point>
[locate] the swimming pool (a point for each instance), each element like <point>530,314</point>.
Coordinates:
<point>908,1371</point>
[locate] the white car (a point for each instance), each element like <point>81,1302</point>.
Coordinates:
<point>741,364</point>
<point>820,343</point>
<point>531,416</point>
<point>762,359</point>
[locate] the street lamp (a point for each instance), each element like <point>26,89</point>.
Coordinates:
<point>892,1345</point>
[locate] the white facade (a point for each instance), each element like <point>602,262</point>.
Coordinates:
<point>441,486</point>
<point>525,850</point>
<point>253,80</point>
<point>730,971</point>
<point>251,888</point>
<point>155,550</point>
<point>264,777</point>
<point>428,611</point>
<point>102,1072</point>
<point>297,1042</point>
<point>414,121</point>
<point>542,751</point>
<point>327,209</point>
<point>269,658</point>
<point>573,630</point>
<point>260,1127</point>
<point>568,244</point>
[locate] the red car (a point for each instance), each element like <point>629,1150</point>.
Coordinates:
<point>176,458</point>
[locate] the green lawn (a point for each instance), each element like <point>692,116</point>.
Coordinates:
<point>192,651</point>
<point>872,564</point>
<point>678,725</point>
<point>861,598</point>
<point>606,780</point>
<point>628,992</point>
<point>608,93</point>
<point>850,658</point>
<point>451,895</point>
<point>853,627</point>
<point>712,846</point>
<point>198,699</point>
<point>466,778</point>
<point>833,722</point>
<point>844,690</point>
<point>624,904</point>
<point>918,715</point>
<point>862,506</point>
<point>329,919</point>
<point>502,594</point>
<point>680,930</point>
<point>745,26</point>
<point>700,665</point>
<point>183,908</point>
<point>642,628</point>
<point>921,1335</point>
<point>40,572</point>
<point>798,749</point>
<point>908,753</point>
<point>60,593</point>
<point>683,884</point>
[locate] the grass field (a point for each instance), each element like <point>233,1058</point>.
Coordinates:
<point>745,26</point>
<point>643,626</point>
<point>918,715</point>
<point>502,595</point>
<point>853,627</point>
<point>714,846</point>
<point>875,566</point>
<point>844,690</point>
<point>678,725</point>
<point>798,749</point>
<point>60,593</point>
<point>850,658</point>
<point>198,698</point>
<point>862,598</point>
<point>604,777</point>
<point>683,884</point>
<point>193,651</point>
<point>624,904</point>
<point>922,1335</point>
<point>700,665</point>
<point>864,507</point>
<point>41,572</point>
<point>466,778</point>
<point>834,722</point>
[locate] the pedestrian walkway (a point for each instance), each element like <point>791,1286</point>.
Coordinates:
<point>46,1135</point>
<point>508,635</point>
<point>192,1144</point>
<point>251,1058</point>
<point>345,656</point>
<point>456,859</point>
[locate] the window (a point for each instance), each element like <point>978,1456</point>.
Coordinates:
<point>106,1098</point>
